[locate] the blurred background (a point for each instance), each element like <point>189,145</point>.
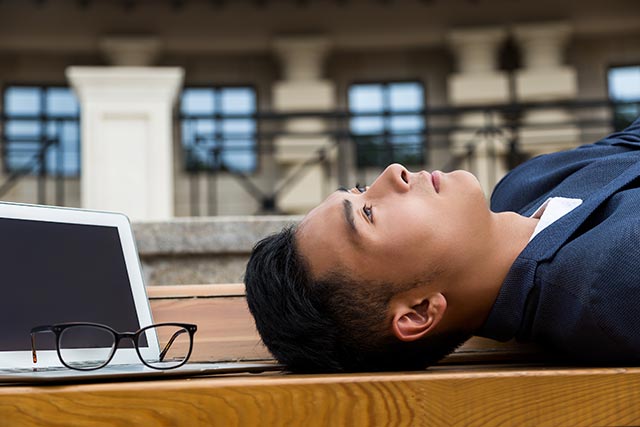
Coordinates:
<point>174,108</point>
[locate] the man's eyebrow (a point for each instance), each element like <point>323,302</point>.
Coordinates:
<point>348,215</point>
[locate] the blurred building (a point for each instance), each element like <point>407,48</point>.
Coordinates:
<point>163,108</point>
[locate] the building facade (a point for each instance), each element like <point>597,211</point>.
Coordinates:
<point>192,107</point>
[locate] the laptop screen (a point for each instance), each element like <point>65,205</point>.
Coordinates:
<point>61,272</point>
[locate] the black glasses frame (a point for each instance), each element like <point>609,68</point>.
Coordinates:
<point>58,328</point>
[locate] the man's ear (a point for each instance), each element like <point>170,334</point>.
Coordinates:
<point>413,319</point>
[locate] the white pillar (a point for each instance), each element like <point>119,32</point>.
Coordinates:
<point>545,77</point>
<point>303,89</point>
<point>127,144</point>
<point>478,82</point>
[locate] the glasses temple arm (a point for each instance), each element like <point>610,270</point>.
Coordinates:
<point>168,346</point>
<point>34,356</point>
<point>45,328</point>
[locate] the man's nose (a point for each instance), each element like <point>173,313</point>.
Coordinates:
<point>395,177</point>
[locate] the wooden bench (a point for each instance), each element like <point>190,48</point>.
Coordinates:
<point>226,330</point>
<point>474,387</point>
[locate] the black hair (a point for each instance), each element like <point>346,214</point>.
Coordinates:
<point>329,324</point>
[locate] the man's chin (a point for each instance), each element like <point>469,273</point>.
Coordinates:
<point>467,177</point>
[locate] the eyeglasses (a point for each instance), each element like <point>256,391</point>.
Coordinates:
<point>89,346</point>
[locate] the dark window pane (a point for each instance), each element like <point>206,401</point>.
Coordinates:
<point>367,125</point>
<point>372,150</point>
<point>406,124</point>
<point>395,135</point>
<point>22,101</point>
<point>42,121</point>
<point>217,142</point>
<point>406,97</point>
<point>624,83</point>
<point>22,129</point>
<point>238,101</point>
<point>197,101</point>
<point>238,127</point>
<point>240,156</point>
<point>366,98</point>
<point>61,102</point>
<point>204,128</point>
<point>624,87</point>
<point>20,161</point>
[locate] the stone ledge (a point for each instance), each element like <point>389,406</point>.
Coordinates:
<point>201,250</point>
<point>226,235</point>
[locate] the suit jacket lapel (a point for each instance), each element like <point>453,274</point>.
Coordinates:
<point>557,233</point>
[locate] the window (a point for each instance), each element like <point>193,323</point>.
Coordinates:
<point>624,88</point>
<point>41,120</point>
<point>387,123</point>
<point>218,129</point>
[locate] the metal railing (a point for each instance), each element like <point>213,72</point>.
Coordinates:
<point>444,143</point>
<point>501,125</point>
<point>38,156</point>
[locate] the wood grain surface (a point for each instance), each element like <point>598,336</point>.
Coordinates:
<point>474,387</point>
<point>226,330</point>
<point>496,397</point>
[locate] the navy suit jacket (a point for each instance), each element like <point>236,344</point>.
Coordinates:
<point>575,288</point>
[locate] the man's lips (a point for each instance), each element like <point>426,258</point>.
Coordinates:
<point>435,180</point>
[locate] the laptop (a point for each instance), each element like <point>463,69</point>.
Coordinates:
<point>60,265</point>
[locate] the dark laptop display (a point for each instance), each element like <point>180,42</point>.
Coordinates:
<point>57,272</point>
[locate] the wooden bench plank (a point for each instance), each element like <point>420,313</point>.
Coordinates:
<point>534,397</point>
<point>226,330</point>
<point>451,394</point>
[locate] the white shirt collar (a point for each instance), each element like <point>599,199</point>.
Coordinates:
<point>552,210</point>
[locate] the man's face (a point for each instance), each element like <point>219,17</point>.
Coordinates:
<point>404,228</point>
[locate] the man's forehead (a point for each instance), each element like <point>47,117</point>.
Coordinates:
<point>324,209</point>
<point>321,235</point>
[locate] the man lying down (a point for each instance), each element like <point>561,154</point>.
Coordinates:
<point>395,276</point>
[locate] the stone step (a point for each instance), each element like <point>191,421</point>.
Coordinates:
<point>201,250</point>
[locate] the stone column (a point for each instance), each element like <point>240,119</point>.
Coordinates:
<point>544,77</point>
<point>478,82</point>
<point>302,89</point>
<point>127,144</point>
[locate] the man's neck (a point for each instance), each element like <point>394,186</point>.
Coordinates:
<point>473,293</point>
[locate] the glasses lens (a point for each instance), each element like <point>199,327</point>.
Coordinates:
<point>86,347</point>
<point>175,343</point>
